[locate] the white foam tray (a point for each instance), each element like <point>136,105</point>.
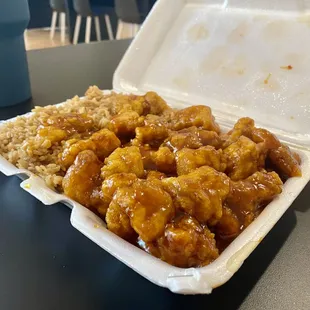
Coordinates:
<point>216,53</point>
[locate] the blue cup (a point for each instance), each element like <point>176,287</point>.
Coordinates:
<point>14,75</point>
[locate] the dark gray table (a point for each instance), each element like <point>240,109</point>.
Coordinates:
<point>45,264</point>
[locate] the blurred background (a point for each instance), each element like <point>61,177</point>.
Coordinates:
<point>62,22</point>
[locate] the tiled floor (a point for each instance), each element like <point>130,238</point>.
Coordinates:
<point>40,38</point>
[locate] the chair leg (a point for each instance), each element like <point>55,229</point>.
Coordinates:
<point>109,27</point>
<point>137,28</point>
<point>77,29</point>
<point>63,27</point>
<point>53,24</point>
<point>88,29</point>
<point>120,28</point>
<point>97,26</point>
<point>133,28</point>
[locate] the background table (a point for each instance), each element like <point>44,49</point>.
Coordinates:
<point>45,264</point>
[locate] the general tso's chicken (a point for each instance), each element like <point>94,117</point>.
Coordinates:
<point>206,137</point>
<point>243,204</point>
<point>229,226</point>
<point>127,103</point>
<point>159,121</point>
<point>199,116</point>
<point>124,124</point>
<point>111,184</point>
<point>57,127</point>
<point>178,140</point>
<point>119,223</point>
<point>243,127</point>
<point>123,160</point>
<point>150,103</point>
<point>106,142</point>
<point>162,160</point>
<point>248,195</point>
<point>280,155</point>
<point>153,174</point>
<point>82,181</point>
<point>70,122</point>
<point>51,133</point>
<point>151,135</point>
<point>242,158</point>
<point>184,244</point>
<point>286,161</point>
<point>72,148</point>
<point>188,160</point>
<point>192,138</point>
<point>199,193</point>
<point>148,206</point>
<point>156,105</point>
<point>102,143</point>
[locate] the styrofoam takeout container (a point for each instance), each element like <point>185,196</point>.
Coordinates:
<point>233,56</point>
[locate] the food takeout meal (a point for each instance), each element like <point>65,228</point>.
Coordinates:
<point>166,180</point>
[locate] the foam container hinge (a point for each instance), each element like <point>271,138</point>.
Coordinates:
<point>218,53</point>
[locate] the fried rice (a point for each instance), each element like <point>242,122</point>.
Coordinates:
<point>20,145</point>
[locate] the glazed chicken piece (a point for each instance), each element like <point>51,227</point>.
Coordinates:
<point>119,223</point>
<point>178,140</point>
<point>153,174</point>
<point>185,244</point>
<point>52,133</point>
<point>123,160</point>
<point>243,127</point>
<point>111,184</point>
<point>243,204</point>
<point>82,181</point>
<point>72,148</point>
<point>247,196</point>
<point>154,104</point>
<point>206,137</point>
<point>199,116</point>
<point>57,127</point>
<point>106,142</point>
<point>162,160</point>
<point>125,124</point>
<point>229,226</point>
<point>102,143</point>
<point>148,206</point>
<point>159,121</point>
<point>242,158</point>
<point>286,161</point>
<point>127,103</point>
<point>188,160</point>
<point>150,103</point>
<point>70,122</point>
<point>192,138</point>
<point>280,155</point>
<point>152,135</point>
<point>199,193</point>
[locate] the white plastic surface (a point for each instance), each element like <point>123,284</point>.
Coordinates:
<point>231,55</point>
<point>216,53</point>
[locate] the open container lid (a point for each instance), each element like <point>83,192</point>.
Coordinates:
<point>240,57</point>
